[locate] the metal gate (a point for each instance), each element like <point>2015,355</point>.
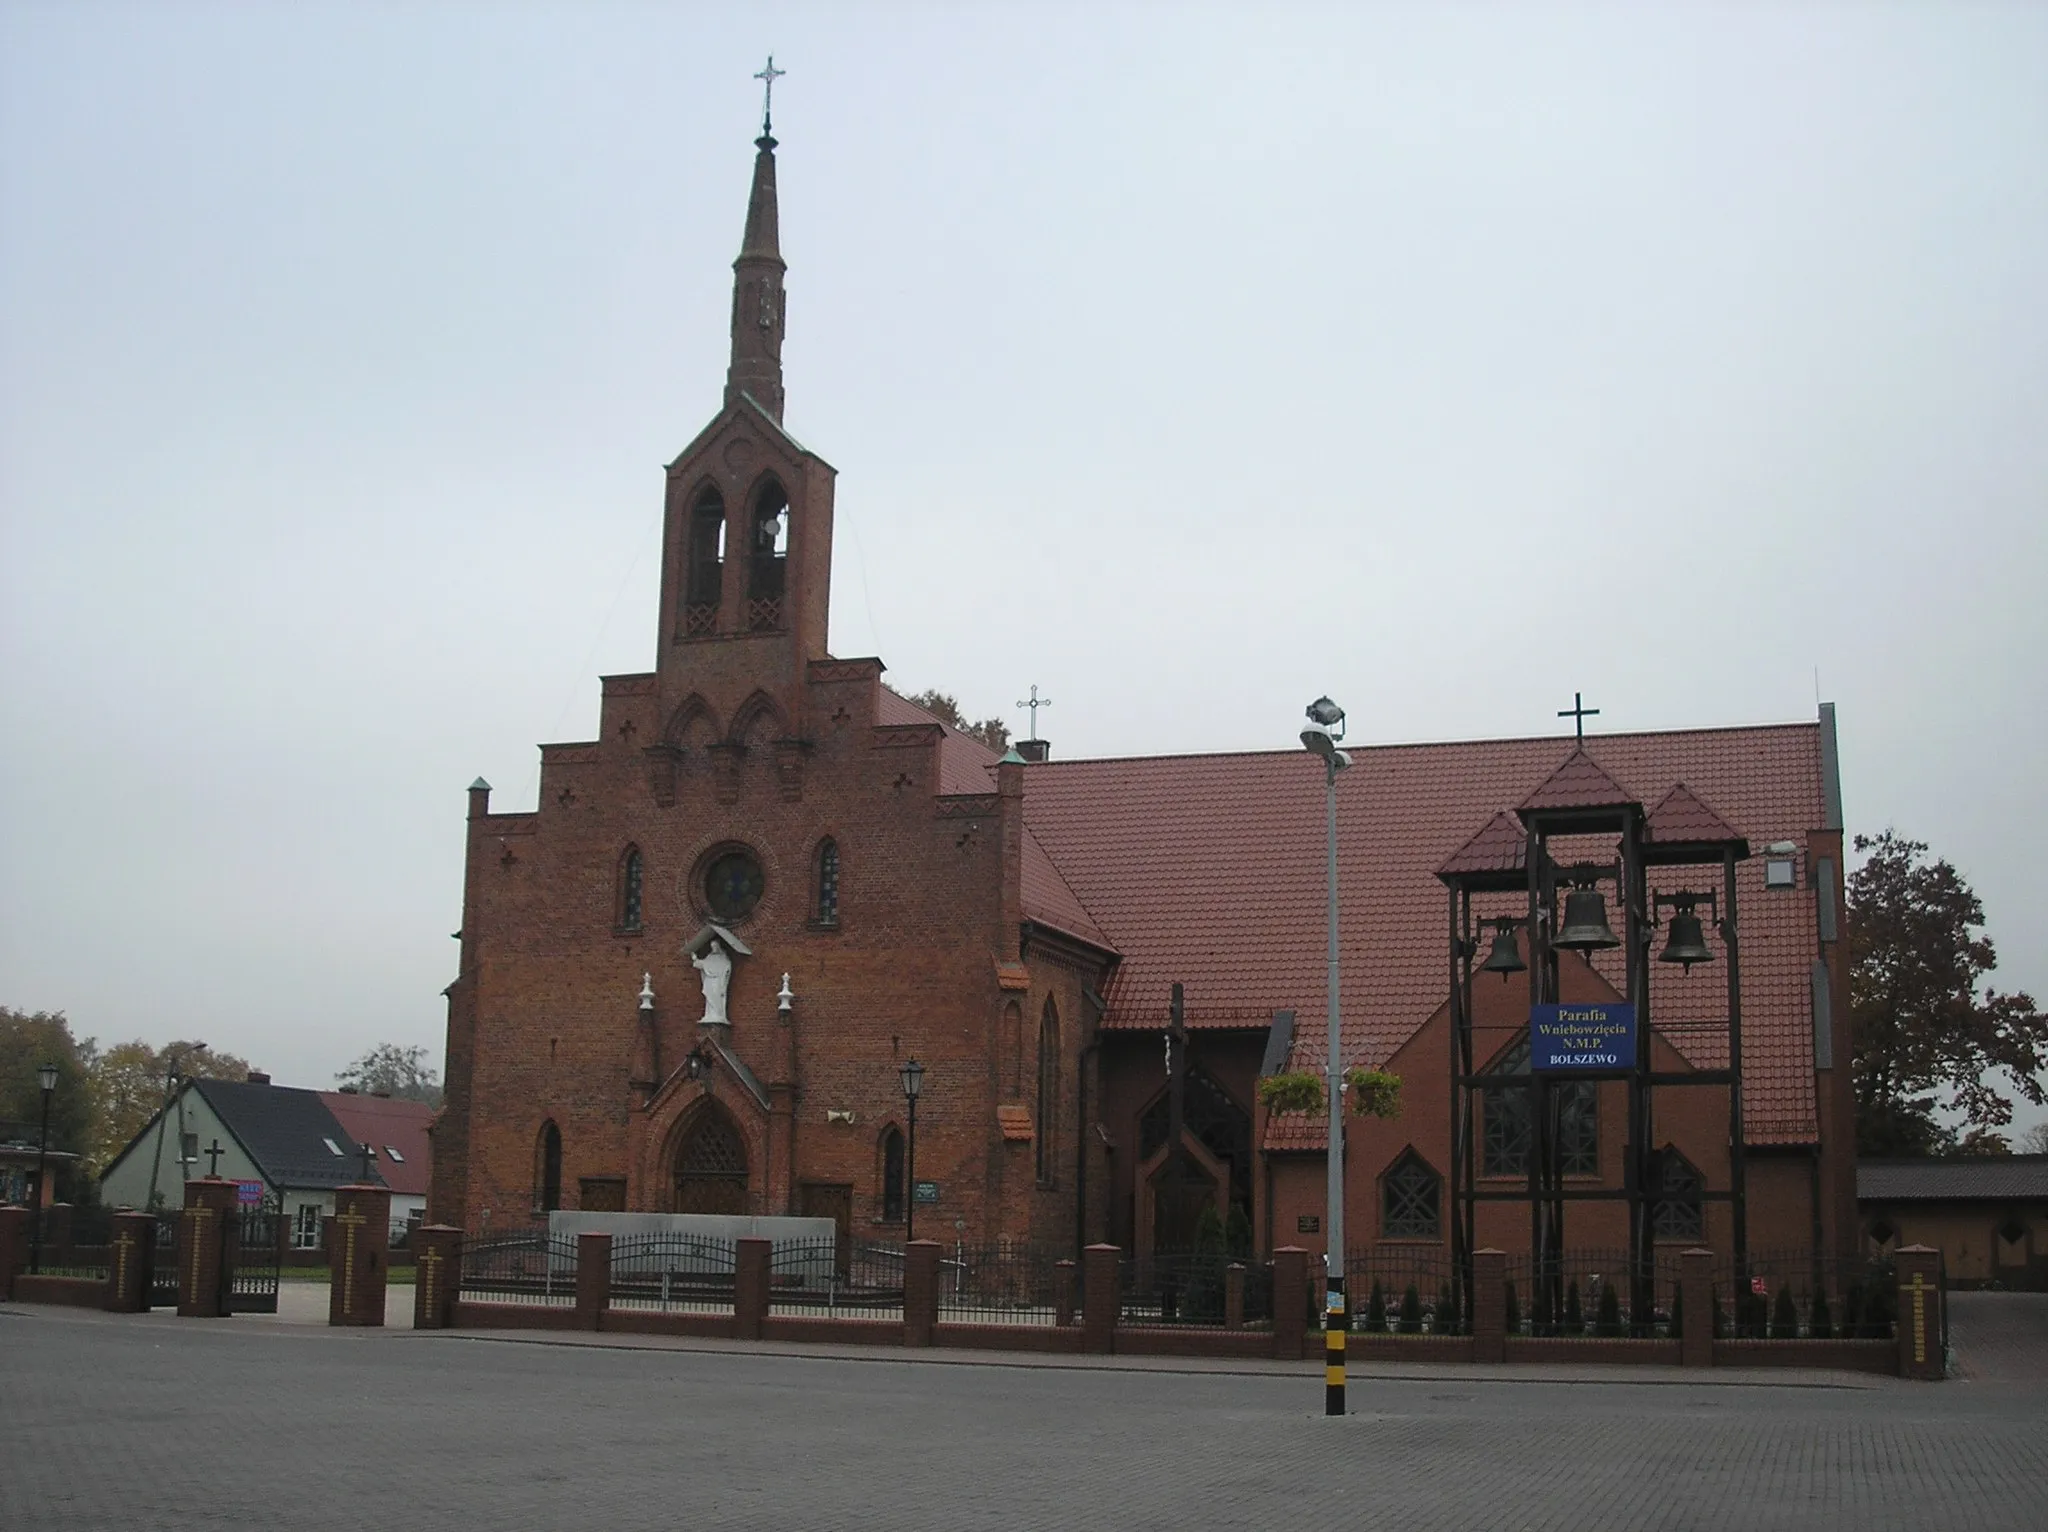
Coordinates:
<point>163,1261</point>
<point>255,1234</point>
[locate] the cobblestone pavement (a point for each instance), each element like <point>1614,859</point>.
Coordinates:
<point>2000,1336</point>
<point>110,1421</point>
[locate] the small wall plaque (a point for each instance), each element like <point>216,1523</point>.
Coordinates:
<point>925,1193</point>
<point>1308,1223</point>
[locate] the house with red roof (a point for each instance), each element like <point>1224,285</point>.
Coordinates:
<point>691,978</point>
<point>396,1132</point>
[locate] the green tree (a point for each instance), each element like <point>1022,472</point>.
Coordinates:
<point>402,1073</point>
<point>1411,1311</point>
<point>992,732</point>
<point>27,1042</point>
<point>1927,1042</point>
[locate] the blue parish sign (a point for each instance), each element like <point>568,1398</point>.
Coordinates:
<point>1599,1035</point>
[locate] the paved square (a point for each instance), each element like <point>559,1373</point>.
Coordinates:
<point>156,1422</point>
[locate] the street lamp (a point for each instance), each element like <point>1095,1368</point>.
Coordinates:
<point>46,1077</point>
<point>1325,728</point>
<point>913,1083</point>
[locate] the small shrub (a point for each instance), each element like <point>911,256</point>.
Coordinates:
<point>1609,1322</point>
<point>1376,1309</point>
<point>1443,1319</point>
<point>1574,1315</point>
<point>1784,1317</point>
<point>1678,1312</point>
<point>1411,1311</point>
<point>1514,1315</point>
<point>1819,1323</point>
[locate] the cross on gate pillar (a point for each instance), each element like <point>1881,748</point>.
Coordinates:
<point>205,1274</point>
<point>1921,1331</point>
<point>437,1276</point>
<point>128,1263</point>
<point>358,1255</point>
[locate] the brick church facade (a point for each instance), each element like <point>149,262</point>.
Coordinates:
<point>690,976</point>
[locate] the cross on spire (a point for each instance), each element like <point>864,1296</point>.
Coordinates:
<point>1035,704</point>
<point>768,77</point>
<point>1578,712</point>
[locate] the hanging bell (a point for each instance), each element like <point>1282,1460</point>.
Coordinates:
<point>1585,922</point>
<point>1506,956</point>
<point>1688,943</point>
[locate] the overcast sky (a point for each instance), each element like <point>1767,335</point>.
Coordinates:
<point>1184,362</point>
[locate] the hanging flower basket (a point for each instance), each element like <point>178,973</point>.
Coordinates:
<point>1374,1092</point>
<point>1297,1092</point>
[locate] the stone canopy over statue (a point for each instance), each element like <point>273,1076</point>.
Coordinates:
<point>711,952</point>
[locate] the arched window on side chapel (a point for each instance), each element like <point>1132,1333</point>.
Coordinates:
<point>892,1174</point>
<point>1048,1105</point>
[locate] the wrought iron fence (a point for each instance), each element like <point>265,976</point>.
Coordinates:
<point>806,1276</point>
<point>673,1273</point>
<point>1589,1292</point>
<point>1003,1284</point>
<point>1191,1287</point>
<point>1794,1294</point>
<point>163,1261</point>
<point>535,1267</point>
<point>1402,1290</point>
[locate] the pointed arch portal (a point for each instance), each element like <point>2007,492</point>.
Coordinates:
<point>710,1170</point>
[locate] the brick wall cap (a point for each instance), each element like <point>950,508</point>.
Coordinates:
<point>1290,1250</point>
<point>1696,1250</point>
<point>1117,1248</point>
<point>1915,1250</point>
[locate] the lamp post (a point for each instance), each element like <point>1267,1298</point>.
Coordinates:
<point>1325,728</point>
<point>46,1077</point>
<point>913,1084</point>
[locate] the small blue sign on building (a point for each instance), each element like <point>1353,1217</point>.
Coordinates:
<point>1599,1035</point>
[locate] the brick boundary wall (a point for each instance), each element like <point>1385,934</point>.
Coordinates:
<point>72,1292</point>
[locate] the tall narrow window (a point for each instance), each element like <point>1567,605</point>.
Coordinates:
<point>1681,1211</point>
<point>1506,1135</point>
<point>631,875</point>
<point>550,1168</point>
<point>707,564</point>
<point>892,1174</point>
<point>767,557</point>
<point>828,882</point>
<point>1048,1091</point>
<point>1411,1200</point>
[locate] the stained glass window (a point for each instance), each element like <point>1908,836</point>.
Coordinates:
<point>1410,1200</point>
<point>1505,1130</point>
<point>828,883</point>
<point>732,885</point>
<point>630,879</point>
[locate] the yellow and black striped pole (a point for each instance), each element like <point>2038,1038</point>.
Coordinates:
<point>1335,1320</point>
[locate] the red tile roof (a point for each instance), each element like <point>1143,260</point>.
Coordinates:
<point>1682,819</point>
<point>1579,783</point>
<point>389,1124</point>
<point>1501,846</point>
<point>1209,870</point>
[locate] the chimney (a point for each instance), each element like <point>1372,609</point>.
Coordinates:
<point>1035,749</point>
<point>258,1077</point>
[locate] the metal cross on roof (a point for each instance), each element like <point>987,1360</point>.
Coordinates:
<point>369,1153</point>
<point>768,77</point>
<point>1578,712</point>
<point>213,1154</point>
<point>1035,704</point>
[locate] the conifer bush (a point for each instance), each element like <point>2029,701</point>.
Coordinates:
<point>1574,1314</point>
<point>1784,1317</point>
<point>1376,1309</point>
<point>1411,1311</point>
<point>1819,1323</point>
<point>1609,1321</point>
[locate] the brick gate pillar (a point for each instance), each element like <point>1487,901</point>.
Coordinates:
<point>1920,1314</point>
<point>593,1279</point>
<point>1099,1297</point>
<point>920,1291</point>
<point>437,1276</point>
<point>13,1247</point>
<point>358,1256</point>
<point>1696,1292</point>
<point>204,1276</point>
<point>128,1258</point>
<point>1290,1301</point>
<point>751,1260</point>
<point>1488,1305</point>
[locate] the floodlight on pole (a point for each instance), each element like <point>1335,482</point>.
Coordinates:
<point>1324,729</point>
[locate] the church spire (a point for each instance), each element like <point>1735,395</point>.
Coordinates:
<point>757,296</point>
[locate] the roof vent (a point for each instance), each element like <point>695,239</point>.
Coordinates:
<point>258,1077</point>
